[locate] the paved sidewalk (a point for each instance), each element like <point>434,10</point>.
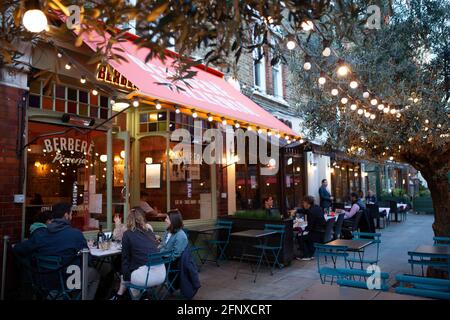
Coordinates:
<point>294,280</point>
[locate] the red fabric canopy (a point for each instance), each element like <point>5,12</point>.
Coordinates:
<point>208,93</point>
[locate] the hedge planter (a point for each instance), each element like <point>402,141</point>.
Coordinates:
<point>241,224</point>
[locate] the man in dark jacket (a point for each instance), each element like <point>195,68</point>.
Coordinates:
<point>325,196</point>
<point>62,240</point>
<point>315,230</point>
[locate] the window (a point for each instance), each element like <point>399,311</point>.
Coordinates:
<point>259,72</point>
<point>277,81</point>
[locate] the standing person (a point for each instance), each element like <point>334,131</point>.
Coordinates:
<point>361,200</point>
<point>138,242</point>
<point>325,196</point>
<point>61,240</point>
<point>315,228</point>
<point>174,238</point>
<point>371,198</point>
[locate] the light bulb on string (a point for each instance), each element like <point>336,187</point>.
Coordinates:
<point>380,107</point>
<point>307,25</point>
<point>343,69</point>
<point>326,52</point>
<point>344,100</point>
<point>194,114</point>
<point>386,110</point>
<point>68,66</point>
<point>360,111</point>
<point>372,116</point>
<point>353,84</point>
<point>307,66</point>
<point>95,91</point>
<point>59,54</point>
<point>393,111</point>
<point>322,80</point>
<point>367,114</point>
<point>398,115</point>
<point>158,105</point>
<point>374,102</point>
<point>136,102</point>
<point>366,95</point>
<point>335,92</point>
<point>224,121</point>
<point>177,110</point>
<point>83,79</point>
<point>210,117</point>
<point>236,125</point>
<point>260,130</point>
<point>353,107</point>
<point>34,19</point>
<point>290,44</point>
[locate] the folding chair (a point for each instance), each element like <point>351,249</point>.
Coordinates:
<point>49,281</point>
<point>220,244</point>
<point>333,252</point>
<point>154,259</point>
<point>441,241</point>
<point>365,235</point>
<point>274,249</point>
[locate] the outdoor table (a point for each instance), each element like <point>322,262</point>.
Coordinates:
<point>102,256</point>
<point>195,231</point>
<point>437,250</point>
<point>246,236</point>
<point>352,245</point>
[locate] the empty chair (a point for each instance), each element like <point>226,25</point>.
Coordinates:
<point>328,235</point>
<point>336,254</point>
<point>437,261</point>
<point>374,213</point>
<point>346,278</point>
<point>423,287</point>
<point>441,241</point>
<point>351,225</point>
<point>220,242</point>
<point>364,260</point>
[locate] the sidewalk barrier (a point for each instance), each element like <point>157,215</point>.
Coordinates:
<point>84,273</point>
<point>5,255</point>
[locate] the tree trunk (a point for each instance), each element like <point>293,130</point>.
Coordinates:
<point>437,179</point>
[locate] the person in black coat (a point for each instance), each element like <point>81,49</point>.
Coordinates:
<point>315,230</point>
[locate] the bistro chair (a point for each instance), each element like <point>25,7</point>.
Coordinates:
<point>334,253</point>
<point>441,241</point>
<point>437,261</point>
<point>346,278</point>
<point>328,235</point>
<point>351,225</point>
<point>360,259</point>
<point>221,242</point>
<point>338,226</point>
<point>393,212</point>
<point>156,259</point>
<point>195,249</point>
<point>423,287</point>
<point>274,248</point>
<point>49,279</point>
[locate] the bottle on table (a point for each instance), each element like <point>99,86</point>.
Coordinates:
<point>100,236</point>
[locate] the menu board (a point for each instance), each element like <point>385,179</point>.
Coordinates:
<point>153,176</point>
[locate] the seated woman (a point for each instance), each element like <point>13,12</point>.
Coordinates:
<point>120,228</point>
<point>138,242</point>
<point>174,238</point>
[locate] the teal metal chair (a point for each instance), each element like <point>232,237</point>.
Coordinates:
<point>346,278</point>
<point>335,253</point>
<point>441,241</point>
<point>361,259</point>
<point>438,261</point>
<point>195,249</point>
<point>423,287</point>
<point>49,279</point>
<point>155,259</point>
<point>273,248</point>
<point>221,241</point>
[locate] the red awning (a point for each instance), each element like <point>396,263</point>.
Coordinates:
<point>209,93</point>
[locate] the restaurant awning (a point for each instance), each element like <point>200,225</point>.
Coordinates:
<point>209,92</point>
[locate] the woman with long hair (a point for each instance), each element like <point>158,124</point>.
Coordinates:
<point>138,242</point>
<point>174,238</point>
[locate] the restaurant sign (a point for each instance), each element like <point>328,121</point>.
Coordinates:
<point>112,76</point>
<point>72,145</point>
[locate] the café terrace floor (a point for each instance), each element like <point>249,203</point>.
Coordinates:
<point>301,277</point>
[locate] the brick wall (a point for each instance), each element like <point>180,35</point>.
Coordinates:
<point>10,213</point>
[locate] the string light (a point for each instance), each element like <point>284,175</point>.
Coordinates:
<point>307,66</point>
<point>335,92</point>
<point>386,110</point>
<point>59,54</point>
<point>372,116</point>
<point>307,25</point>
<point>68,65</point>
<point>34,19</point>
<point>322,80</point>
<point>194,114</point>
<point>136,102</point>
<point>398,115</point>
<point>290,44</point>
<point>353,84</point>
<point>344,100</point>
<point>380,107</point>
<point>360,111</point>
<point>366,95</point>
<point>343,69</point>
<point>326,52</point>
<point>94,92</point>
<point>260,130</point>
<point>158,105</point>
<point>224,121</point>
<point>236,125</point>
<point>374,102</point>
<point>393,111</point>
<point>177,110</point>
<point>249,128</point>
<point>210,117</point>
<point>83,79</point>
<point>367,114</point>
<point>353,107</point>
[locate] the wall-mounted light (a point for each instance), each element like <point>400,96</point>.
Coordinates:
<point>148,160</point>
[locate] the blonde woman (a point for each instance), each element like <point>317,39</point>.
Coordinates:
<point>138,242</point>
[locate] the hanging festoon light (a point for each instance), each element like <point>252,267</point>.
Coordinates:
<point>322,80</point>
<point>158,105</point>
<point>360,111</point>
<point>366,95</point>
<point>307,64</point>
<point>249,128</point>
<point>236,125</point>
<point>372,116</point>
<point>393,111</point>
<point>343,69</point>
<point>380,106</point>
<point>374,102</point>
<point>353,84</point>
<point>59,54</point>
<point>290,44</point>
<point>68,66</point>
<point>307,25</point>
<point>194,114</point>
<point>34,19</point>
<point>386,109</point>
<point>135,102</point>
<point>95,91</point>
<point>353,107</point>
<point>83,79</point>
<point>210,117</point>
<point>335,92</point>
<point>260,130</point>
<point>177,109</point>
<point>224,121</point>
<point>344,100</point>
<point>367,114</point>
<point>398,115</point>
